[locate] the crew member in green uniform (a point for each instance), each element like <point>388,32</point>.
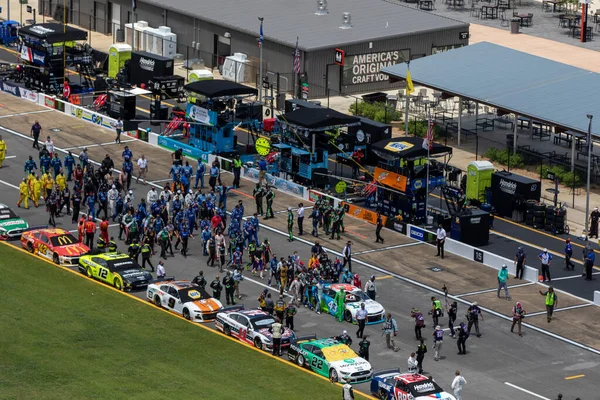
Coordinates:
<point>340,300</point>
<point>327,216</point>
<point>436,310</point>
<point>342,212</point>
<point>134,250</point>
<point>258,194</point>
<point>336,225</point>
<point>269,195</point>
<point>290,311</point>
<point>290,218</point>
<point>146,254</point>
<point>100,244</point>
<point>112,245</point>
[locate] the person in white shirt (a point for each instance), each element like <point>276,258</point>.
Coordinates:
<point>189,198</point>
<point>142,169</point>
<point>457,385</point>
<point>118,128</point>
<point>49,146</point>
<point>370,288</point>
<point>300,218</point>
<point>413,364</point>
<point>441,238</point>
<point>160,270</point>
<point>361,319</point>
<point>152,196</point>
<point>113,194</point>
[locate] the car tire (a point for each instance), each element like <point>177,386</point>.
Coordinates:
<point>157,302</point>
<point>118,284</point>
<point>227,330</point>
<point>258,343</point>
<point>88,272</point>
<point>333,375</point>
<point>55,259</point>
<point>348,316</point>
<point>382,395</point>
<point>300,360</point>
<point>30,247</point>
<point>186,314</point>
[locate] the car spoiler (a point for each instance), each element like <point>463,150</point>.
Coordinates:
<point>232,308</point>
<point>305,338</point>
<point>165,279</point>
<point>386,372</point>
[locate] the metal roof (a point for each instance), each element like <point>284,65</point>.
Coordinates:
<point>517,82</point>
<point>284,20</point>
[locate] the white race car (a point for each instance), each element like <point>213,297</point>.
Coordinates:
<point>184,298</point>
<point>354,297</point>
<point>393,385</point>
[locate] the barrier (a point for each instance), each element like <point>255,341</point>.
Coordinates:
<point>362,213</point>
<point>281,184</point>
<point>596,297</point>
<point>189,151</point>
<point>314,195</point>
<point>473,253</point>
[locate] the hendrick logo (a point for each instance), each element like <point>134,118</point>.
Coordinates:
<point>508,187</point>
<point>147,64</point>
<point>39,58</point>
<point>11,89</point>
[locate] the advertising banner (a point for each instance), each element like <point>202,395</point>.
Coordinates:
<point>188,151</point>
<point>314,196</point>
<point>49,102</point>
<point>93,117</point>
<point>279,183</point>
<point>29,95</point>
<point>421,234</point>
<point>199,114</point>
<point>12,89</point>
<point>396,224</point>
<point>391,179</point>
<point>363,213</point>
<point>365,68</point>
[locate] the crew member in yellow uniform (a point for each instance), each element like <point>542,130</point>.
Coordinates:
<point>61,181</point>
<point>2,150</point>
<point>35,186</point>
<point>48,185</point>
<point>23,194</point>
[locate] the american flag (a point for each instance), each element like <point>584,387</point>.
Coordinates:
<point>133,4</point>
<point>297,58</point>
<point>428,142</point>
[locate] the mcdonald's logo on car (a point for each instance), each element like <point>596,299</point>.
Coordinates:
<point>64,240</point>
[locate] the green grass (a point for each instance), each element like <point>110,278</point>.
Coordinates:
<point>63,337</point>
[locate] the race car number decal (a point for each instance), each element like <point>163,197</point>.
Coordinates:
<point>102,273</point>
<point>42,248</point>
<point>194,294</point>
<point>332,305</point>
<point>317,363</point>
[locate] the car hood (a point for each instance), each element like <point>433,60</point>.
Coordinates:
<point>9,225</point>
<point>135,275</point>
<point>371,306</point>
<point>205,305</point>
<point>287,333</point>
<point>357,364</point>
<point>72,250</point>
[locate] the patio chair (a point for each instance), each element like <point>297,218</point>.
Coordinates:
<point>474,11</point>
<point>503,20</point>
<point>529,20</point>
<point>562,21</point>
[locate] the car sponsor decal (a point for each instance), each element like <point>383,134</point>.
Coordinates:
<point>338,352</point>
<point>194,294</point>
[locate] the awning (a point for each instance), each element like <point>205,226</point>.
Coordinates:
<point>219,88</point>
<point>407,148</point>
<point>318,119</point>
<point>53,32</point>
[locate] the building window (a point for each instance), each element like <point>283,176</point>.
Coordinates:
<point>441,49</point>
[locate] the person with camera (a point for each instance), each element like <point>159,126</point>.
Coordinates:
<point>473,315</point>
<point>518,313</point>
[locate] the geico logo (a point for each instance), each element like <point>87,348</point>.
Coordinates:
<point>416,233</point>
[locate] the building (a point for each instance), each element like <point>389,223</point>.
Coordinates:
<point>371,33</point>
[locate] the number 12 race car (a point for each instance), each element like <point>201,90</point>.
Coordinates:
<point>252,327</point>
<point>184,298</point>
<point>392,385</point>
<point>116,269</point>
<point>330,358</point>
<point>57,245</point>
<point>354,297</point>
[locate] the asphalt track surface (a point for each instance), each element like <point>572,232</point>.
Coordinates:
<point>499,365</point>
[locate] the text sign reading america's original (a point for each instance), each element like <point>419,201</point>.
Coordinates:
<point>364,68</point>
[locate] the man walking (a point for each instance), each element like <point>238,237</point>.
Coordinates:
<point>458,384</point>
<point>568,255</point>
<point>390,330</point>
<point>474,313</point>
<point>36,129</point>
<point>589,264</point>
<point>518,313</point>
<point>421,350</point>
<point>551,302</point>
<point>118,129</point>
<point>546,259</point>
<point>142,164</point>
<point>520,260</point>
<point>378,226</point>
<point>502,281</point>
<point>237,171</point>
<point>438,341</point>
<point>441,238</point>
<point>347,253</point>
<point>361,319</point>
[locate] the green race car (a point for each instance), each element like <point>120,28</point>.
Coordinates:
<point>116,269</point>
<point>11,225</point>
<point>330,358</point>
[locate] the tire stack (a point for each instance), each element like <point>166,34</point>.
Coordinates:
<point>539,216</point>
<point>550,222</point>
<point>529,212</point>
<point>560,217</point>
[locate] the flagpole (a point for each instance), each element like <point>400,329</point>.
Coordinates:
<point>132,25</point>
<point>427,139</point>
<point>260,43</point>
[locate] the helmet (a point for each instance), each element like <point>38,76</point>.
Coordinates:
<point>131,192</point>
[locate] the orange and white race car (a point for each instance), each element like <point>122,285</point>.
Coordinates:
<point>184,298</point>
<point>57,245</point>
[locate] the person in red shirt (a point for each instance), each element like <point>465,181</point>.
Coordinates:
<point>90,231</point>
<point>104,229</point>
<point>81,228</point>
<point>357,282</point>
<point>78,175</point>
<point>216,222</point>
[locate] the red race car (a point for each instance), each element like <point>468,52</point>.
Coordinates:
<point>57,245</point>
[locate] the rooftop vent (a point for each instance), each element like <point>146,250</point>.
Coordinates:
<point>322,7</point>
<point>346,21</point>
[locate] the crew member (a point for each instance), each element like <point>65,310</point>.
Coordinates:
<point>36,129</point>
<point>134,250</point>
<point>568,255</point>
<point>419,322</point>
<point>463,335</point>
<point>23,194</point>
<point>370,288</point>
<point>520,260</point>
<point>438,341</point>
<point>280,307</point>
<point>379,225</point>
<point>146,255</point>
<point>441,239</point>
<point>421,350</point>
<point>390,330</point>
<point>594,217</point>
<point>546,259</point>
<point>100,244</point>
<point>473,314</point>
<point>90,231</point>
<point>347,253</point>
<point>363,348</point>
<point>340,301</point>
<point>290,312</point>
<point>276,331</point>
<point>237,171</point>
<point>290,220</point>
<point>2,150</point>
<point>436,310</point>
<point>229,285</point>
<point>104,230</point>
<point>589,264</point>
<point>112,245</point>
<point>200,280</point>
<point>269,196</point>
<point>216,286</point>
<point>518,313</point>
<point>258,194</point>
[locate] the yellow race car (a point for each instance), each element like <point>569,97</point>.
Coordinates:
<point>116,269</point>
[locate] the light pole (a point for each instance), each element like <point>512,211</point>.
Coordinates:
<point>261,41</point>
<point>587,195</point>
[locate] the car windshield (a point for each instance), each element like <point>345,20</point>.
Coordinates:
<point>263,322</point>
<point>63,240</point>
<point>424,388</point>
<point>356,295</point>
<point>122,265</point>
<point>7,213</point>
<point>192,294</point>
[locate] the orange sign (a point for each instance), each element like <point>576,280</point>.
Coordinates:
<point>363,213</point>
<point>390,179</point>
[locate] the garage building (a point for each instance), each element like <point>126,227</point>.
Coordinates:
<point>372,34</point>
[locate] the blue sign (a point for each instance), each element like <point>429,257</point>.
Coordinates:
<point>189,151</point>
<point>417,233</point>
<point>279,183</point>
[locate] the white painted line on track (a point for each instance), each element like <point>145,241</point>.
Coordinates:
<point>526,391</point>
<point>387,248</point>
<point>10,157</point>
<point>493,290</point>
<point>559,309</point>
<point>571,277</point>
<point>9,185</point>
<point>381,270</point>
<point>97,145</point>
<point>25,113</point>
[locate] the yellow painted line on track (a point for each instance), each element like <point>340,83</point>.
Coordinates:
<point>568,378</point>
<point>385,277</point>
<point>147,303</point>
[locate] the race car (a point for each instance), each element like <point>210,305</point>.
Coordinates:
<point>392,385</point>
<point>11,225</point>
<point>55,244</point>
<point>354,297</point>
<point>252,327</point>
<point>330,358</point>
<point>116,269</point>
<point>184,298</point>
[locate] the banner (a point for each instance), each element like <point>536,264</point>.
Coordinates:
<point>12,89</point>
<point>199,114</point>
<point>363,213</point>
<point>397,225</point>
<point>32,56</point>
<point>29,95</point>
<point>391,179</point>
<point>91,116</point>
<point>421,234</point>
<point>189,151</point>
<point>279,183</point>
<point>314,196</point>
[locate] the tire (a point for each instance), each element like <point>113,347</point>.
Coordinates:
<point>55,259</point>
<point>300,360</point>
<point>382,395</point>
<point>118,284</point>
<point>566,229</point>
<point>548,228</point>
<point>186,314</point>
<point>227,330</point>
<point>258,343</point>
<point>348,316</point>
<point>333,375</point>
<point>559,220</point>
<point>88,272</point>
<point>30,247</point>
<point>539,214</point>
<point>539,207</point>
<point>157,302</point>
